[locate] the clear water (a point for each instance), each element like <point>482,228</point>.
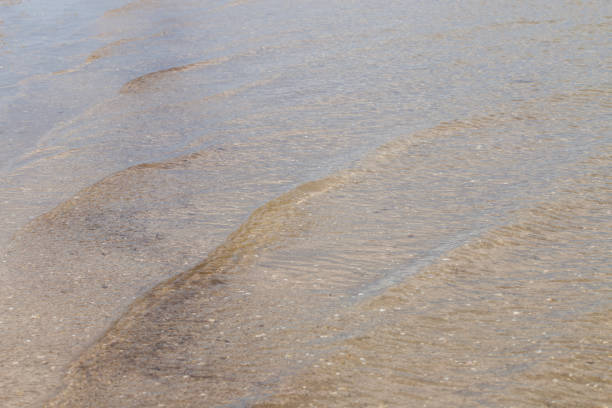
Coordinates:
<point>322,203</point>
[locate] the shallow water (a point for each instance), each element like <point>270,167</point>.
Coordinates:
<point>262,203</point>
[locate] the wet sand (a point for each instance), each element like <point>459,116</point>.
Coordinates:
<point>274,204</point>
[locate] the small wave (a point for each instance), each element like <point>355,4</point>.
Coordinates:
<point>145,82</point>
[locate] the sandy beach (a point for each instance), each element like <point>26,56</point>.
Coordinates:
<point>305,204</point>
